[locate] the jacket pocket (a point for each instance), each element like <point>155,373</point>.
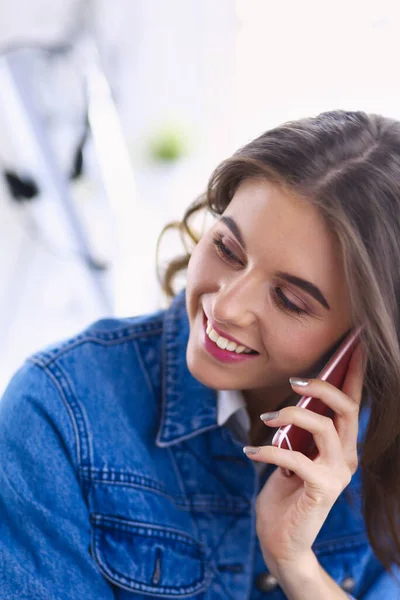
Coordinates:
<point>147,558</point>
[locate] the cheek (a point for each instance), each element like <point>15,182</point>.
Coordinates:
<point>297,351</point>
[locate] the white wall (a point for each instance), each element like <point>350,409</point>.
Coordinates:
<point>166,60</point>
<point>295,59</point>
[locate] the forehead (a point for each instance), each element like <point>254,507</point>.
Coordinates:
<point>285,232</point>
<point>264,207</point>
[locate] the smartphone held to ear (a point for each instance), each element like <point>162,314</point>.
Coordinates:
<point>292,437</point>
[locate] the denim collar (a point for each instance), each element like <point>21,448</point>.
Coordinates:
<point>188,407</point>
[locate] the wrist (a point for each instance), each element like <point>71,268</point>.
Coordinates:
<point>300,570</point>
<point>305,578</point>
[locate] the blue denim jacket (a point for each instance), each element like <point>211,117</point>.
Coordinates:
<point>117,482</point>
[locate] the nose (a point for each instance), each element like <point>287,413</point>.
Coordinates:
<point>238,302</point>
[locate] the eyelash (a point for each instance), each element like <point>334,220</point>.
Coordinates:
<point>280,298</point>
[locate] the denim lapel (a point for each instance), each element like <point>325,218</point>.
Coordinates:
<point>188,407</point>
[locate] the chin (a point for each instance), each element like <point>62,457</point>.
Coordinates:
<point>212,375</point>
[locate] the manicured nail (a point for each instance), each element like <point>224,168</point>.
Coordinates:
<point>251,449</point>
<point>298,381</point>
<point>269,416</point>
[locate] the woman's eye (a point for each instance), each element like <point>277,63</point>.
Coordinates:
<point>282,301</point>
<point>225,253</point>
<point>285,304</point>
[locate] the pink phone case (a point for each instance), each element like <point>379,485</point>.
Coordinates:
<point>292,437</point>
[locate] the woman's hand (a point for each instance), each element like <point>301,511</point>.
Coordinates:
<point>290,511</point>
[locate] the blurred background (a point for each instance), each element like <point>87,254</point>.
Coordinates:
<point>113,113</point>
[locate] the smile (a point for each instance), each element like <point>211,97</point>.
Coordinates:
<point>224,343</point>
<point>222,349</point>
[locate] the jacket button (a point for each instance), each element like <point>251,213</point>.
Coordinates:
<point>348,584</point>
<point>266,582</point>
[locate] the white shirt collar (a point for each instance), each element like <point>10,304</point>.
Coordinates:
<point>231,402</point>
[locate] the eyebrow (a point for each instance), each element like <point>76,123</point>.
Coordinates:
<point>229,222</point>
<point>305,285</point>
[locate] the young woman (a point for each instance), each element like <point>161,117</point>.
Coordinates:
<point>122,471</point>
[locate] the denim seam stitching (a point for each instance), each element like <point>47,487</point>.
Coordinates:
<point>345,543</point>
<point>164,590</point>
<point>122,478</point>
<point>74,408</point>
<point>170,364</point>
<point>45,358</point>
<point>60,390</point>
<point>84,429</point>
<point>164,392</point>
<point>143,367</point>
<point>188,500</point>
<point>178,474</point>
<point>128,481</point>
<point>181,502</point>
<point>146,327</point>
<point>158,530</point>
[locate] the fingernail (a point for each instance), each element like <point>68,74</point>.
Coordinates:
<point>251,449</point>
<point>299,381</point>
<point>269,416</point>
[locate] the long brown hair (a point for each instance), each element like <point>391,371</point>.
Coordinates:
<point>348,165</point>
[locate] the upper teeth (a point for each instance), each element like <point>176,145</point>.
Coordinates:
<point>224,343</point>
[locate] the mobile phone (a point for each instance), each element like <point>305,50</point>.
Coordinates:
<point>292,437</point>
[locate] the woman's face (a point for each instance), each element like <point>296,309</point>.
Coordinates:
<point>268,274</point>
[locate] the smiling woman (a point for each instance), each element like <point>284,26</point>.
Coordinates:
<point>306,244</point>
<point>126,469</point>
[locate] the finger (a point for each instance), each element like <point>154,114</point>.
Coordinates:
<point>322,428</point>
<point>345,419</point>
<point>287,459</point>
<point>296,462</point>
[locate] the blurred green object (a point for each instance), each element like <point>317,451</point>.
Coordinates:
<point>169,144</point>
